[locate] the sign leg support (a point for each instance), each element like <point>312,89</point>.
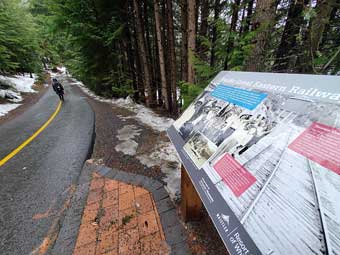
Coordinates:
<point>191,204</point>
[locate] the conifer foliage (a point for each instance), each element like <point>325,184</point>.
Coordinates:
<point>163,52</point>
<point>19,47</point>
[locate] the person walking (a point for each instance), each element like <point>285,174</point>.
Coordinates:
<point>58,88</point>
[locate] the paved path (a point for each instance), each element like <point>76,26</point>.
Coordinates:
<point>36,185</point>
<point>115,212</point>
<point>51,204</point>
<point>119,219</point>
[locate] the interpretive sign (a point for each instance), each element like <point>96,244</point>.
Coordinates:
<point>263,152</point>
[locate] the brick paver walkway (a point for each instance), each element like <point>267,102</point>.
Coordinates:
<point>119,219</point>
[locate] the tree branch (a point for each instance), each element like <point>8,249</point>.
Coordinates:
<point>324,68</point>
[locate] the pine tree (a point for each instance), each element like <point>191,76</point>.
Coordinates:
<point>286,52</point>
<point>165,96</point>
<point>264,21</point>
<point>19,48</point>
<point>191,39</point>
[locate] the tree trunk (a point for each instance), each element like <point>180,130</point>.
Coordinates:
<point>146,26</point>
<point>288,45</point>
<point>313,37</point>
<point>165,95</point>
<point>197,11</point>
<point>327,29</point>
<point>139,71</point>
<point>204,18</point>
<point>317,27</point>
<point>249,15</point>
<point>244,7</point>
<point>157,69</point>
<point>131,60</point>
<point>323,11</point>
<point>202,49</point>
<point>191,39</point>
<point>165,35</point>
<point>172,58</point>
<point>143,56</point>
<point>263,22</point>
<point>217,10</point>
<point>232,31</point>
<point>43,60</point>
<point>184,46</point>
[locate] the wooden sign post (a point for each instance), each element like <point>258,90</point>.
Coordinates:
<point>191,204</point>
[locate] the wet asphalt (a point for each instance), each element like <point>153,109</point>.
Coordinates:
<point>36,184</point>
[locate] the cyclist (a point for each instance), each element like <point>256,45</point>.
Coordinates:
<point>58,88</point>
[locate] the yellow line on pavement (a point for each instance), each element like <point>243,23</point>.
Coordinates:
<point>21,146</point>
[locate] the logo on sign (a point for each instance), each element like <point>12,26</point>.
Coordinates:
<point>225,218</point>
<point>224,221</point>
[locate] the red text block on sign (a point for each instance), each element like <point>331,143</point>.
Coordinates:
<point>320,143</point>
<point>234,175</point>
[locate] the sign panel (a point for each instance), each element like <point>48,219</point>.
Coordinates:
<point>235,176</point>
<point>263,152</point>
<point>317,143</point>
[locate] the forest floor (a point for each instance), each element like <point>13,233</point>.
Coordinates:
<point>126,143</point>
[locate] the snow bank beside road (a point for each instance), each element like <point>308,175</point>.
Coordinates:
<point>10,95</point>
<point>5,108</point>
<point>143,114</point>
<point>10,89</point>
<point>19,83</point>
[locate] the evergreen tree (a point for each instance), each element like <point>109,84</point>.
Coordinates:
<point>19,47</point>
<point>153,49</point>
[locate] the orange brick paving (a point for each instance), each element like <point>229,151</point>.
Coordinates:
<point>119,218</point>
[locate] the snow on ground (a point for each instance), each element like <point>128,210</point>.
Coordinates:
<point>5,108</point>
<point>10,95</point>
<point>163,154</point>
<point>89,92</point>
<point>10,89</point>
<point>128,145</point>
<point>19,83</point>
<point>143,114</point>
<point>62,69</point>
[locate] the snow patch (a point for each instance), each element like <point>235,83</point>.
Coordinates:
<point>143,114</point>
<point>10,95</point>
<point>123,118</point>
<point>10,89</point>
<point>165,156</point>
<point>62,69</point>
<point>19,83</point>
<point>128,146</point>
<point>89,92</point>
<point>5,108</point>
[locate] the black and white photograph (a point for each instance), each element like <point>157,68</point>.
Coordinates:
<point>199,149</point>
